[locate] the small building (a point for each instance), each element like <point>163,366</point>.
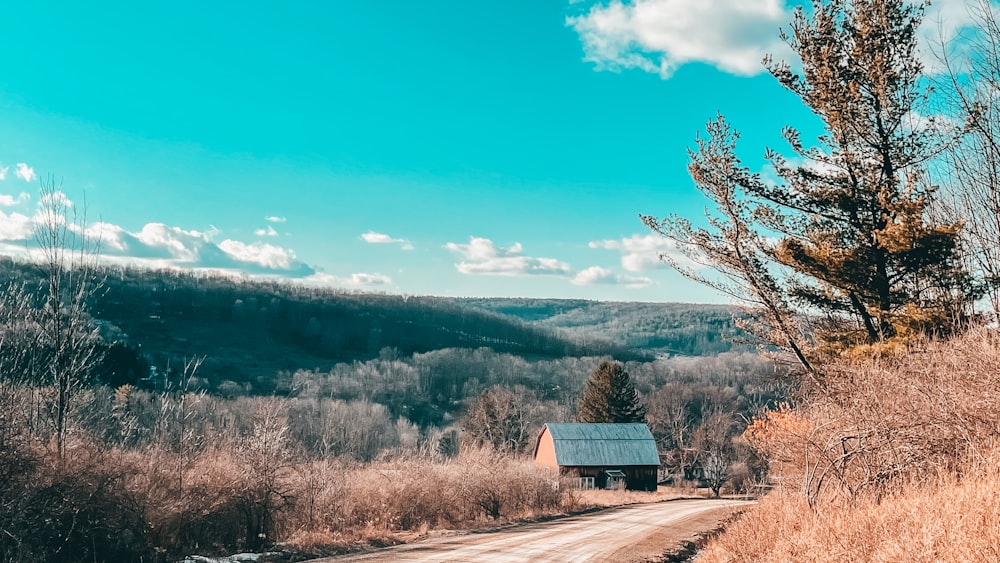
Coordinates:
<point>602,456</point>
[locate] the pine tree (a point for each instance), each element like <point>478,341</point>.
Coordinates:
<point>859,228</point>
<point>847,226</point>
<point>609,396</point>
<point>732,247</point>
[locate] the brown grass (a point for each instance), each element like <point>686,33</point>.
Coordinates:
<point>950,519</point>
<point>154,504</point>
<point>892,459</point>
<point>597,497</point>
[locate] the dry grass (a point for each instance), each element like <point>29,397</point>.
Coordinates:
<point>388,502</point>
<point>597,497</point>
<point>948,520</point>
<point>154,504</point>
<point>892,459</point>
<point>875,427</point>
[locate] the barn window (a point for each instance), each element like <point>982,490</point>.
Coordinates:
<point>586,482</point>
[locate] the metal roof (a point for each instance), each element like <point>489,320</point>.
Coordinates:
<point>580,444</point>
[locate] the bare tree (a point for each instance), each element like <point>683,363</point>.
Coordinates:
<point>498,420</point>
<point>971,166</point>
<point>67,335</point>
<point>714,442</point>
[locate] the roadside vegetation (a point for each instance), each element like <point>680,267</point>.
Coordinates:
<point>867,260</point>
<point>888,459</point>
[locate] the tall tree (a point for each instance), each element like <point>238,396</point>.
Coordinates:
<point>609,396</point>
<point>732,246</point>
<point>498,419</point>
<point>849,217</point>
<point>68,337</point>
<point>971,167</point>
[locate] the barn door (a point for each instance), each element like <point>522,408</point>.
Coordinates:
<point>615,479</point>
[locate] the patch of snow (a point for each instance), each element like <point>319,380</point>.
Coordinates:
<point>236,558</point>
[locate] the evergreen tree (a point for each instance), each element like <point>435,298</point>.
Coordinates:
<point>609,396</point>
<point>847,225</point>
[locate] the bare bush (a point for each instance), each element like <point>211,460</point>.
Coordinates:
<point>75,510</point>
<point>267,459</point>
<point>875,427</point>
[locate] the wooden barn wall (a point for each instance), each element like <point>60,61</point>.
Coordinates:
<point>637,478</point>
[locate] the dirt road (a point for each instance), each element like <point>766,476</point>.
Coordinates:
<point>631,533</point>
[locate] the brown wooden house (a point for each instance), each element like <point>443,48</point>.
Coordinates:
<point>602,456</point>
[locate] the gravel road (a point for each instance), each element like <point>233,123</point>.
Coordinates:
<point>631,533</point>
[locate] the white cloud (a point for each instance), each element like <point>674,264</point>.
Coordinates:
<point>368,280</point>
<point>110,236</point>
<point>268,232</point>
<point>949,21</point>
<point>598,275</point>
<point>181,245</point>
<point>641,252</point>
<point>482,257</point>
<point>9,200</point>
<point>3,172</point>
<point>57,199</point>
<point>661,35</point>
<point>16,227</point>
<point>159,245</point>
<point>25,172</point>
<point>266,255</point>
<point>372,237</point>
<point>275,219</point>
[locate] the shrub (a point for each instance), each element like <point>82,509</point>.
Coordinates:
<point>897,457</point>
<point>875,426</point>
<point>76,510</point>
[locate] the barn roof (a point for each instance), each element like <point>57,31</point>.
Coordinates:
<point>591,444</point>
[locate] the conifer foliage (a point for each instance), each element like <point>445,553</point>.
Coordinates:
<point>609,396</point>
<point>847,227</point>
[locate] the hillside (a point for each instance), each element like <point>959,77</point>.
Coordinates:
<point>423,358</point>
<point>660,328</point>
<point>249,331</point>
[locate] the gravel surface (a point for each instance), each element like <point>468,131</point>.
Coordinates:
<point>632,533</point>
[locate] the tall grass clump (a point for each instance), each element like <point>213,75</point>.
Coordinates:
<point>891,458</point>
<point>383,499</point>
<point>192,474</point>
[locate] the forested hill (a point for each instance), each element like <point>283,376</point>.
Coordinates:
<point>250,330</point>
<point>659,328</point>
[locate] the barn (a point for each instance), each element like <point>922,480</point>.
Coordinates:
<point>599,455</point>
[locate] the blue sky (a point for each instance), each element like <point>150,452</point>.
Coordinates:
<point>488,148</point>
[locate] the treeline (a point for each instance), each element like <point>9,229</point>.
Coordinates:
<point>248,331</point>
<point>659,328</point>
<point>436,387</point>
